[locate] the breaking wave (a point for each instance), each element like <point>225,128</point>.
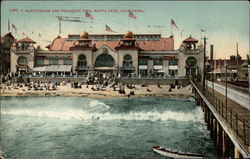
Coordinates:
<point>195,115</point>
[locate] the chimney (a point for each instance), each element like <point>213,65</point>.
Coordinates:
<point>211,52</point>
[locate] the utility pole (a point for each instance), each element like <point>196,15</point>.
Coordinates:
<point>214,60</point>
<point>237,56</point>
<point>226,84</point>
<point>204,65</point>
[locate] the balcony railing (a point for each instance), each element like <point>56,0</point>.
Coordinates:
<point>81,68</point>
<point>127,68</point>
<point>192,51</point>
<point>20,50</point>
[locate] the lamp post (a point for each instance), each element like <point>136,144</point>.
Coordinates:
<point>226,84</point>
<point>237,56</point>
<point>213,82</point>
<point>206,81</point>
<point>214,67</point>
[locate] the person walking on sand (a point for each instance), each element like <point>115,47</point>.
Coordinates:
<point>159,86</point>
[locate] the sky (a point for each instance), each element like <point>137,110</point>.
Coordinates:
<point>225,22</point>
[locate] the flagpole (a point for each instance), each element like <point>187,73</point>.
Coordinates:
<point>200,35</point>
<point>105,39</point>
<point>8,25</point>
<point>85,26</point>
<point>171,30</point>
<point>60,31</point>
<point>128,23</point>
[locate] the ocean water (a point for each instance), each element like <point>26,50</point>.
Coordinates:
<point>76,127</point>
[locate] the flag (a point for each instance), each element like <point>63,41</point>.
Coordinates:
<point>202,30</point>
<point>173,24</point>
<point>8,24</point>
<point>131,15</point>
<point>109,29</point>
<point>89,15</point>
<point>14,27</point>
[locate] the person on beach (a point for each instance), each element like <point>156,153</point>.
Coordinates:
<point>158,85</point>
<point>170,89</point>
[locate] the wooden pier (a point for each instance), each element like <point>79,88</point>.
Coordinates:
<point>229,124</point>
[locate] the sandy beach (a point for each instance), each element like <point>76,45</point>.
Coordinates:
<point>108,93</point>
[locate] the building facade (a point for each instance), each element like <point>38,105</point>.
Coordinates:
<point>124,55</point>
<point>6,43</point>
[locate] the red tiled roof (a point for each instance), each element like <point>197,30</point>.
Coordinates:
<point>164,44</point>
<point>26,40</point>
<point>190,39</point>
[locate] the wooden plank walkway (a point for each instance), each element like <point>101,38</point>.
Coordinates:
<point>236,116</point>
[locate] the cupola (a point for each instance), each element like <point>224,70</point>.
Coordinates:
<point>84,35</point>
<point>129,35</point>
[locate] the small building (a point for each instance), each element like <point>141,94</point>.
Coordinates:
<point>233,65</point>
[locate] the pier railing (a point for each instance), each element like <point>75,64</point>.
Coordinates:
<point>232,118</point>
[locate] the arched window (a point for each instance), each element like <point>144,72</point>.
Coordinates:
<point>127,57</point>
<point>22,61</point>
<point>104,60</point>
<point>82,60</point>
<point>81,57</point>
<point>127,61</point>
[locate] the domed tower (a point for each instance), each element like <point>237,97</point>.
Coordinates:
<point>191,55</point>
<point>22,55</point>
<point>83,42</point>
<point>128,42</point>
<point>84,35</point>
<point>190,43</point>
<point>129,35</point>
<point>84,39</point>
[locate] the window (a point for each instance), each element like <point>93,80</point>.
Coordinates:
<point>22,61</point>
<point>104,60</point>
<point>24,46</point>
<point>127,57</point>
<point>190,71</point>
<point>67,62</point>
<point>81,57</point>
<point>173,62</point>
<point>143,62</point>
<point>191,61</point>
<point>173,72</point>
<point>127,61</point>
<point>81,60</point>
<point>53,62</point>
<point>82,63</point>
<point>158,62</point>
<point>39,62</point>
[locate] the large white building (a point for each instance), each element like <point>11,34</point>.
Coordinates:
<point>137,54</point>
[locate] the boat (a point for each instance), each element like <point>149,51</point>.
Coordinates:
<point>176,154</point>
